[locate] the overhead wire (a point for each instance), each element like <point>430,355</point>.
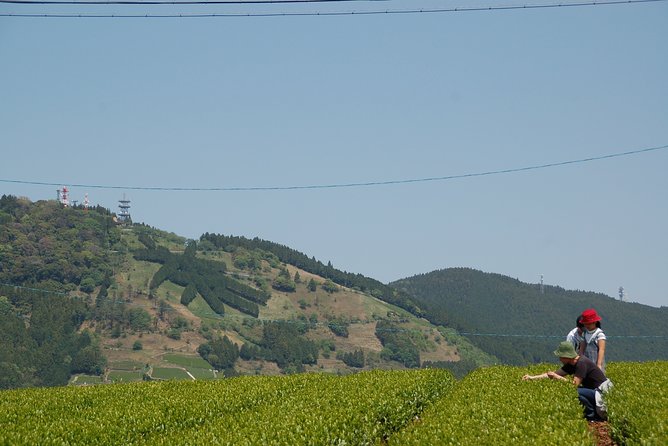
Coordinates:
<point>345,185</point>
<point>174,2</point>
<point>527,6</point>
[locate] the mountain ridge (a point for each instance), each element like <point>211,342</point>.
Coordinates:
<point>528,322</point>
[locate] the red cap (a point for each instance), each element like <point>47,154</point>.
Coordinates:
<point>590,316</point>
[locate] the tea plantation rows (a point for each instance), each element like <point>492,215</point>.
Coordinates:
<point>426,407</point>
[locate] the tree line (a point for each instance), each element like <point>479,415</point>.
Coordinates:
<point>311,265</point>
<point>472,301</point>
<point>206,277</point>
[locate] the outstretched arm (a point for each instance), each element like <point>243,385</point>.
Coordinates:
<point>541,376</point>
<point>558,374</point>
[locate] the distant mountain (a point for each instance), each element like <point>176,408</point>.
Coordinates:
<point>518,324</point>
<point>86,299</point>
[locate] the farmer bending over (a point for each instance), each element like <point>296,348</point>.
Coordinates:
<point>588,377</point>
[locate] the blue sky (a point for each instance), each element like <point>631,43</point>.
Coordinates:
<point>293,101</point>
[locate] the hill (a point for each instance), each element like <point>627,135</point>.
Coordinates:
<point>527,323</point>
<point>83,296</point>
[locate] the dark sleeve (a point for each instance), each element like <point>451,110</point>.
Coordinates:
<point>567,369</point>
<point>580,370</point>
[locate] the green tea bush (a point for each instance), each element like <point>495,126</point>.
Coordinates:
<point>494,406</point>
<point>363,408</point>
<point>638,403</point>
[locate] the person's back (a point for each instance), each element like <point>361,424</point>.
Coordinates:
<point>575,335</point>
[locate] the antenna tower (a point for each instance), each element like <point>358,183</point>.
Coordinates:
<point>542,287</point>
<point>63,196</point>
<point>124,213</point>
<point>85,203</point>
<point>621,293</point>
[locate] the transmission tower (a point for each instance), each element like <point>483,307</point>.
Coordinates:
<point>542,287</point>
<point>124,213</point>
<point>63,196</point>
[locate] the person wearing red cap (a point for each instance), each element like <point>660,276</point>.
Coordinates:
<point>593,338</point>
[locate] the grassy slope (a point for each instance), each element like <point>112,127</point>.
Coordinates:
<point>359,309</point>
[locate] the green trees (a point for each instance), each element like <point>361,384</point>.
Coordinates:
<point>468,300</point>
<point>48,246</point>
<point>397,344</point>
<point>330,286</point>
<point>189,293</point>
<point>352,359</point>
<point>139,319</point>
<point>311,265</point>
<point>339,327</point>
<point>283,282</point>
<point>221,353</point>
<point>47,348</point>
<point>283,343</point>
<point>205,277</point>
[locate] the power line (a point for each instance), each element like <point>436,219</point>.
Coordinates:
<point>332,13</point>
<point>19,287</point>
<point>347,185</point>
<point>174,2</point>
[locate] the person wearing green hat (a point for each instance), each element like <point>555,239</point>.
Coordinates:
<point>589,379</point>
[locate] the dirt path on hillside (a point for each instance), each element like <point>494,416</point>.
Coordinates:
<point>601,432</point>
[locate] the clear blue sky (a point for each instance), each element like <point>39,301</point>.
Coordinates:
<point>250,102</point>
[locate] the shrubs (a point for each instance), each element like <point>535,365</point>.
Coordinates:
<point>352,359</point>
<point>494,406</point>
<point>339,327</point>
<point>638,403</point>
<point>221,353</point>
<point>364,408</point>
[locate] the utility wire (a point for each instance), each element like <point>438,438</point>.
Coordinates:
<point>174,2</point>
<point>333,13</point>
<point>346,185</point>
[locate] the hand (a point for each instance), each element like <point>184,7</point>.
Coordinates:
<point>527,377</point>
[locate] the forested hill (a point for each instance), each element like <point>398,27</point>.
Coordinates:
<point>86,299</point>
<point>529,323</point>
<point>311,265</point>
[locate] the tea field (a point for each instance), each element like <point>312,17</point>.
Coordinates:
<point>426,407</point>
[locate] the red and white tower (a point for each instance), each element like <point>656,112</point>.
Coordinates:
<point>64,198</point>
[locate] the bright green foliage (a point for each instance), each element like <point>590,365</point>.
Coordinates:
<point>49,246</point>
<point>330,286</point>
<point>494,406</point>
<point>363,408</point>
<point>638,403</point>
<point>283,282</point>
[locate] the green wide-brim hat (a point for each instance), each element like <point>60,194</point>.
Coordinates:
<point>565,350</point>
